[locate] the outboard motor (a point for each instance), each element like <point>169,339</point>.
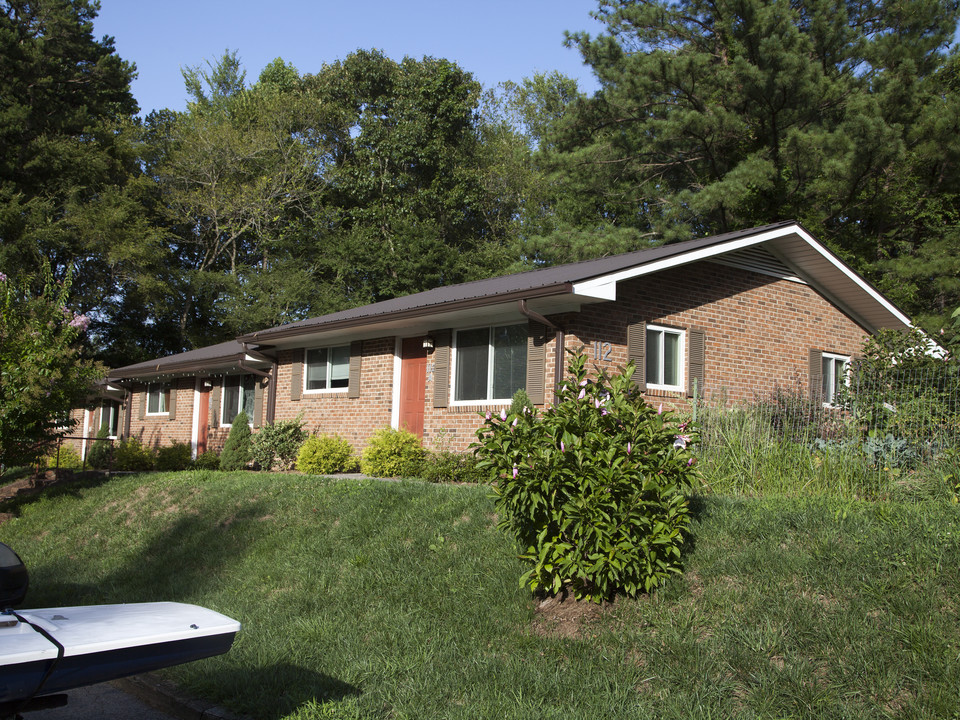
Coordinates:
<point>13,578</point>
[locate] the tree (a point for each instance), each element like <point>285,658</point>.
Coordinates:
<point>714,116</point>
<point>66,151</point>
<point>401,205</point>
<point>235,174</point>
<point>44,372</point>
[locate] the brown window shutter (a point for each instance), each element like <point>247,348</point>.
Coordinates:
<point>296,374</point>
<point>96,418</point>
<point>356,355</point>
<point>637,351</point>
<point>127,408</point>
<point>215,404</point>
<point>695,360</point>
<point>816,375</point>
<point>172,403</point>
<point>257,402</point>
<point>143,404</point>
<point>536,362</point>
<point>441,369</point>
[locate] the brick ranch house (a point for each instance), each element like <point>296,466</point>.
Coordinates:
<point>743,313</point>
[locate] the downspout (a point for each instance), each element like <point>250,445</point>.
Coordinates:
<point>560,350</point>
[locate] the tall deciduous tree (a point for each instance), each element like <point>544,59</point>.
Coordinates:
<point>717,115</point>
<point>405,181</point>
<point>236,174</point>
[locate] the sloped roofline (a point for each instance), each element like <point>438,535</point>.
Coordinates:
<point>587,281</point>
<point>597,279</point>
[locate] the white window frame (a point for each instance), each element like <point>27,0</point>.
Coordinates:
<point>306,370</point>
<point>240,399</point>
<point>112,409</point>
<point>164,398</point>
<point>828,380</point>
<point>454,366</point>
<point>681,354</point>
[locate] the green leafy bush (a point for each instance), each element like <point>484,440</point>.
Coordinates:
<point>237,451</point>
<point>326,455</point>
<point>132,455</point>
<point>69,459</point>
<point>209,460</point>
<point>101,452</point>
<point>174,457</point>
<point>446,466</point>
<point>593,488</point>
<point>277,444</point>
<point>392,453</point>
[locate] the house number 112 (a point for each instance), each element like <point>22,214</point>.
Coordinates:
<point>602,351</point>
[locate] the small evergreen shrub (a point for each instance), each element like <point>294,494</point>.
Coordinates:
<point>326,455</point>
<point>130,455</point>
<point>209,460</point>
<point>446,466</point>
<point>237,451</point>
<point>101,451</point>
<point>593,489</point>
<point>520,401</point>
<point>174,457</point>
<point>277,444</point>
<point>392,453</point>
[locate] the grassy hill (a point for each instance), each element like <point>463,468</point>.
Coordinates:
<point>366,599</point>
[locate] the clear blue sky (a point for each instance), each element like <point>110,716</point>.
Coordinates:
<point>496,40</point>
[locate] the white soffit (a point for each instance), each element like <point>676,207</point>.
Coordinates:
<point>816,265</point>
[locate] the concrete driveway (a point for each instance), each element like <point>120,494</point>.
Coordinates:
<point>137,698</point>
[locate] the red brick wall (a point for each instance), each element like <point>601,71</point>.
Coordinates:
<point>333,413</point>
<point>161,430</point>
<point>759,331</point>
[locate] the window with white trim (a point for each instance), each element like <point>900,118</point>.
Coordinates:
<point>490,363</point>
<point>326,369</point>
<point>835,372</point>
<point>158,399</point>
<point>664,358</point>
<point>110,418</point>
<point>239,393</point>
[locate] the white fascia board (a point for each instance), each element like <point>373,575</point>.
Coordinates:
<point>853,277</point>
<point>604,287</point>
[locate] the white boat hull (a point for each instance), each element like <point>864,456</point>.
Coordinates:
<point>102,642</point>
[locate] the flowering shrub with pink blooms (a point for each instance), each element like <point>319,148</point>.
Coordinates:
<point>43,369</point>
<point>594,488</point>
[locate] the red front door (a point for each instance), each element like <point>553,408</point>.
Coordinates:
<point>413,383</point>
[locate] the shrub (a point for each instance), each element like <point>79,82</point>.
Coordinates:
<point>209,460</point>
<point>277,444</point>
<point>446,466</point>
<point>326,455</point>
<point>131,455</point>
<point>520,401</point>
<point>392,453</point>
<point>174,457</point>
<point>69,458</point>
<point>237,450</point>
<point>592,488</point>
<point>101,451</point>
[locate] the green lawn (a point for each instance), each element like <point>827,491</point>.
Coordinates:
<point>400,600</point>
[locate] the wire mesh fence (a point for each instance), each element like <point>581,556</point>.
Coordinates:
<point>887,429</point>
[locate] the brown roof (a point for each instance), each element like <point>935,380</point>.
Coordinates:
<point>558,279</point>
